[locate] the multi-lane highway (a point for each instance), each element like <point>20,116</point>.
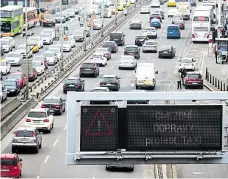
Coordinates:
<point>50,161</point>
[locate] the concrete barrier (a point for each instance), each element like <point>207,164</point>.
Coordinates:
<point>17,115</point>
<point>9,107</point>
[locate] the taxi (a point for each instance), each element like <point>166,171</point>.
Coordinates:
<point>35,48</point>
<point>120,7</point>
<point>5,67</point>
<point>171,3</point>
<point>128,3</point>
<point>113,9</point>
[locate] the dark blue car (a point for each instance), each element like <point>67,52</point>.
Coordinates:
<point>12,86</point>
<point>155,23</point>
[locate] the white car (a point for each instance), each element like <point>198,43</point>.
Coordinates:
<point>36,40</point>
<point>72,41</point>
<point>151,32</point>
<point>99,59</point>
<point>172,12</point>
<point>46,38</point>
<point>70,13</point>
<point>132,1</point>
<point>150,46</point>
<point>57,51</point>
<point>12,41</point>
<point>22,49</point>
<point>6,45</point>
<point>51,57</point>
<point>145,10</point>
<point>97,25</point>
<point>40,118</point>
<point>107,14</point>
<point>127,61</point>
<point>49,31</point>
<point>187,63</point>
<point>39,66</point>
<point>155,4</point>
<point>66,46</point>
<point>14,58</point>
<point>3,93</point>
<point>5,67</point>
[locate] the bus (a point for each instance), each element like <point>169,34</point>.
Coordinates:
<point>210,9</point>
<point>12,20</point>
<point>32,17</point>
<point>201,26</point>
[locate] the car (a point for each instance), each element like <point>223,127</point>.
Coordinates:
<point>57,51</point>
<point>26,138</point>
<point>3,93</point>
<point>21,80</point>
<point>187,63</point>
<point>6,45</point>
<point>97,25</point>
<point>14,58</point>
<point>132,50</point>
<point>2,50</point>
<point>120,7</point>
<point>100,89</point>
<point>72,41</point>
<point>63,27</point>
<point>138,101</point>
<point>49,20</point>
<point>99,59</point>
<point>151,32</point>
<point>11,165</point>
<point>33,76</point>
<point>173,31</point>
<point>86,31</point>
<point>118,37</point>
<point>155,23</point>
<point>70,13</point>
<point>12,86</point>
<point>56,105</point>
<point>42,59</point>
<point>145,10</point>
<point>88,69</point>
<point>179,22</point>
<point>22,50</point>
<point>51,57</point>
<point>59,18</point>
<point>66,46</point>
<point>36,40</point>
<point>155,15</point>
<point>74,84</point>
<point>112,82</point>
<point>5,67</point>
<point>41,119</point>
<point>34,48</point>
<point>107,14</point>
<point>39,66</point>
<point>149,46</point>
<point>12,41</point>
<point>105,51</point>
<point>193,79</point>
<point>46,38</point>
<point>171,3</point>
<point>140,39</point>
<point>161,12</point>
<point>172,12</point>
<point>167,51</point>
<point>50,31</point>
<point>155,4</point>
<point>113,9</point>
<point>66,14</point>
<point>135,24</point>
<point>125,167</point>
<point>79,35</point>
<point>111,45</point>
<point>127,61</point>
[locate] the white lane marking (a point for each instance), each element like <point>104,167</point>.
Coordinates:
<point>197,173</point>
<point>56,141</point>
<point>201,62</point>
<point>65,127</point>
<point>164,171</point>
<point>38,177</point>
<point>132,84</point>
<point>46,159</point>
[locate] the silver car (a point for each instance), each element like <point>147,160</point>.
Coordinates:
<point>127,61</point>
<point>14,58</point>
<point>22,49</point>
<point>66,46</point>
<point>26,138</point>
<point>106,51</point>
<point>72,41</point>
<point>97,25</point>
<point>149,46</point>
<point>78,35</point>
<point>3,93</point>
<point>145,10</point>
<point>51,57</point>
<point>46,38</point>
<point>6,45</point>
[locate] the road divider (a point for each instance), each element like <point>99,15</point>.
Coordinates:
<point>9,107</point>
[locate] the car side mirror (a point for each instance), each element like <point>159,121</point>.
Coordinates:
<point>82,80</point>
<point>156,72</point>
<point>20,159</point>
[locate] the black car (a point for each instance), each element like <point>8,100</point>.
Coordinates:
<point>56,105</point>
<point>132,50</point>
<point>138,101</point>
<point>135,24</point>
<point>111,45</point>
<point>12,86</point>
<point>2,51</point>
<point>112,82</point>
<point>118,37</point>
<point>74,84</point>
<point>100,89</point>
<point>167,51</point>
<point>140,39</point>
<point>89,69</point>
<point>49,21</point>
<point>122,167</point>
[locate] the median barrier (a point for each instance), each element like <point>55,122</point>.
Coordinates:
<point>9,108</point>
<point>17,115</point>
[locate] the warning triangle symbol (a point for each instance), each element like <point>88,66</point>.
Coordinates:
<point>99,126</point>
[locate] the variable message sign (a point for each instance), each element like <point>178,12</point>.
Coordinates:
<point>186,127</point>
<point>99,128</point>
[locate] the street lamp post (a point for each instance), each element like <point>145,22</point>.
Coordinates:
<point>26,53</point>
<point>85,25</point>
<point>61,37</point>
<point>116,10</point>
<point>102,23</point>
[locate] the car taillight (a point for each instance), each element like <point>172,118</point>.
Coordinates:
<point>64,85</point>
<point>43,106</point>
<point>178,32</point>
<point>208,36</point>
<point>34,135</point>
<point>153,80</point>
<point>78,86</point>
<point>115,83</point>
<point>57,106</point>
<point>15,134</point>
<point>193,36</point>
<point>101,83</point>
<point>27,120</point>
<point>45,120</point>
<point>170,51</point>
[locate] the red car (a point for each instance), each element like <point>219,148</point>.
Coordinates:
<point>19,77</point>
<point>11,165</point>
<point>33,76</point>
<point>193,79</point>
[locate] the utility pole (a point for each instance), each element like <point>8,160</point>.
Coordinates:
<point>85,25</point>
<point>219,19</point>
<point>102,14</point>
<point>61,37</point>
<point>116,10</point>
<point>26,53</point>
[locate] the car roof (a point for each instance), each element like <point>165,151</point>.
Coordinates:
<point>173,25</point>
<point>195,72</point>
<point>9,156</point>
<point>118,32</point>
<point>131,46</point>
<point>103,88</point>
<point>73,78</point>
<point>53,97</point>
<point>109,41</point>
<point>26,128</point>
<point>38,110</point>
<point>151,41</point>
<point>109,76</point>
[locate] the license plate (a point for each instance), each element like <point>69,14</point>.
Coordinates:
<point>51,110</point>
<point>165,52</point>
<point>36,121</point>
<point>194,83</point>
<point>87,69</point>
<point>108,84</point>
<point>23,140</point>
<point>140,40</point>
<point>71,85</point>
<point>115,39</point>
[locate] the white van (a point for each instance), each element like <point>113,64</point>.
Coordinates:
<point>145,76</point>
<point>207,8</point>
<point>184,8</point>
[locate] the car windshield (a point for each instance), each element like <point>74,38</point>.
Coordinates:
<point>48,54</point>
<point>105,79</point>
<point>131,49</point>
<point>115,35</point>
<point>21,47</point>
<point>24,133</point>
<point>9,83</point>
<point>96,56</point>
<point>102,50</point>
<point>37,64</point>
<point>4,42</point>
<point>150,43</point>
<point>195,76</point>
<point>8,162</point>
<point>173,28</point>
<point>165,48</point>
<point>45,35</point>
<point>37,114</point>
<point>54,50</point>
<point>37,58</point>
<point>186,60</point>
<point>126,58</point>
<point>72,81</point>
<point>15,76</point>
<point>87,65</point>
<point>155,20</point>
<point>51,100</point>
<point>13,54</point>
<point>107,44</point>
